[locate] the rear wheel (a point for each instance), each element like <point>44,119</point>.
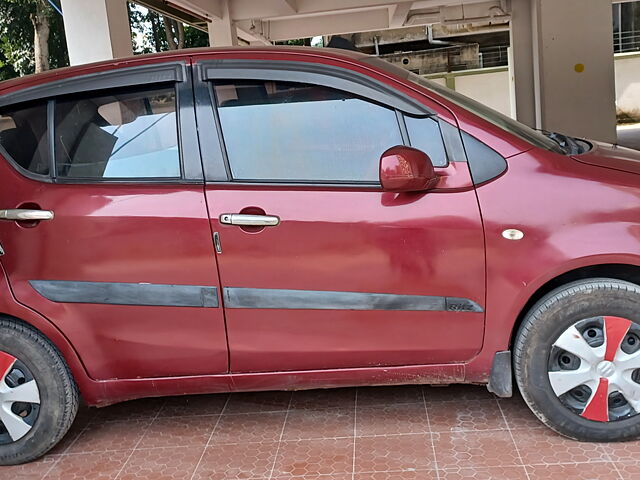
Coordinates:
<point>38,398</point>
<point>577,360</point>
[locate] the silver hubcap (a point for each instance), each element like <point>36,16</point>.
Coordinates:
<point>594,368</point>
<point>19,399</point>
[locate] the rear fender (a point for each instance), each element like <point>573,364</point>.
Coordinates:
<point>10,307</point>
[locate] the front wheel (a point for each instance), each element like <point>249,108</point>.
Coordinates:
<point>38,397</point>
<point>577,360</point>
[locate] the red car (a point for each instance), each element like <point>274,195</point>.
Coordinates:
<point>288,218</point>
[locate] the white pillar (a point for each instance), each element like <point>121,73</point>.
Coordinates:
<point>574,72</point>
<point>563,68</point>
<point>521,62</point>
<point>222,31</point>
<point>96,30</point>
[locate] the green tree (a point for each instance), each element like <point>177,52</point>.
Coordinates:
<point>152,32</point>
<point>31,38</point>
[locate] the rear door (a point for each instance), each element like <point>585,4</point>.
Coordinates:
<point>116,247</point>
<point>339,274</point>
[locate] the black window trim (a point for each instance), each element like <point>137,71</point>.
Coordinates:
<point>90,82</point>
<point>331,76</point>
<point>447,142</point>
<point>176,73</point>
<point>215,157</point>
<point>99,180</point>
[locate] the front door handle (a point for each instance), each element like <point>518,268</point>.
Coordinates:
<point>249,220</point>
<point>22,214</point>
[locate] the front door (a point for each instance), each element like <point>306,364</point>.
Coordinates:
<point>320,268</point>
<point>115,245</point>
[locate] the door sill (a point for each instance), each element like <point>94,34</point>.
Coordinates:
<point>107,392</point>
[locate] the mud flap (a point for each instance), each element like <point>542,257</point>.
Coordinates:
<point>501,378</point>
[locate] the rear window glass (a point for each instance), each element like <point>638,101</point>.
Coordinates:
<point>123,135</point>
<point>23,136</point>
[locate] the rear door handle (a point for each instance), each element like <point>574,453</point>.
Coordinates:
<point>249,220</point>
<point>21,214</point>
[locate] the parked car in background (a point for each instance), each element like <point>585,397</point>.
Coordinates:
<point>287,218</point>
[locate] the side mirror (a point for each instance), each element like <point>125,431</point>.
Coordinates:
<point>406,169</point>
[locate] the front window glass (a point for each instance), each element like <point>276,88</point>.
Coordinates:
<point>425,135</point>
<point>293,132</point>
<point>123,135</point>
<point>23,136</point>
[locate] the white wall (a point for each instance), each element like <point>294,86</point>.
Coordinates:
<point>491,88</point>
<point>491,85</point>
<point>628,82</point>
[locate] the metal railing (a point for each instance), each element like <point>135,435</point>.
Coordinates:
<point>496,56</point>
<point>628,41</point>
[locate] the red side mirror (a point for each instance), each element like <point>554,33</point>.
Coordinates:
<point>406,169</point>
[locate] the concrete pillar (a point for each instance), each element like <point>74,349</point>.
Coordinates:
<point>521,63</point>
<point>96,30</point>
<point>222,31</point>
<point>563,56</point>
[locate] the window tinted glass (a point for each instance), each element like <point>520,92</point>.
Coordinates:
<point>277,131</point>
<point>484,162</point>
<point>23,135</point>
<point>425,135</point>
<point>128,135</point>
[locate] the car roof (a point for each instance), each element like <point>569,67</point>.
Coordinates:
<point>66,72</point>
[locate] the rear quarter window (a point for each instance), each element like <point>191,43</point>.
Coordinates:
<point>23,136</point>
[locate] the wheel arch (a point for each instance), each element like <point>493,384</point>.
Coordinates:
<point>616,271</point>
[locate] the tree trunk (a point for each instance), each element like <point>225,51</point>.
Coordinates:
<point>155,31</point>
<point>180,27</point>
<point>174,32</point>
<point>41,29</point>
<point>168,30</point>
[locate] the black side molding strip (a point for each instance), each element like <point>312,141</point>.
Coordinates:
<point>147,294</point>
<point>325,300</point>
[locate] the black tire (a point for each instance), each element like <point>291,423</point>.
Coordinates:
<point>57,391</point>
<point>543,324</point>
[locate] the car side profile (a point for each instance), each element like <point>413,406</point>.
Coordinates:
<point>246,219</point>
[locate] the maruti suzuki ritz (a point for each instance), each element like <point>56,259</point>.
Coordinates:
<point>287,218</point>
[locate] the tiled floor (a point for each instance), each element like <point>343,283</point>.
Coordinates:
<point>386,433</point>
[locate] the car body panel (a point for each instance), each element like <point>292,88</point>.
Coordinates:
<point>573,215</point>
<point>611,156</point>
<point>351,241</point>
<point>155,234</point>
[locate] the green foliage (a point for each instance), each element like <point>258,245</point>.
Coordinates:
<point>296,42</point>
<point>195,38</point>
<point>149,36</point>
<point>16,38</point>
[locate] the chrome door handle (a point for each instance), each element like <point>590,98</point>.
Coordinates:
<point>21,214</point>
<point>250,220</point>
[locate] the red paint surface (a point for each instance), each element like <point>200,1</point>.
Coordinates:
<point>573,213</point>
<point>404,169</point>
<point>616,328</point>
<point>354,241</point>
<point>118,233</point>
<point>6,362</point>
<point>598,407</point>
